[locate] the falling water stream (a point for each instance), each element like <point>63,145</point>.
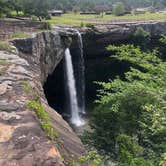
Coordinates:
<point>81,75</point>
<point>71,85</point>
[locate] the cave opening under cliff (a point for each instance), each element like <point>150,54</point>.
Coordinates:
<point>101,69</point>
<point>54,89</point>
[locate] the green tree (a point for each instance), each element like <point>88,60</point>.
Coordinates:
<point>129,121</point>
<point>38,8</point>
<point>16,5</point>
<point>119,9</point>
<point>141,38</point>
<point>5,7</point>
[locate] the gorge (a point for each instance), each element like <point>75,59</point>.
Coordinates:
<point>39,62</point>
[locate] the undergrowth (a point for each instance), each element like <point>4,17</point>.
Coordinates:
<point>43,118</point>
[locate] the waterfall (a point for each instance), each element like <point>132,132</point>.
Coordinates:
<point>81,74</point>
<point>75,117</point>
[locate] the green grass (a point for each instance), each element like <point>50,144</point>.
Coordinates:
<point>43,118</point>
<point>4,45</point>
<point>77,19</point>
<point>20,35</point>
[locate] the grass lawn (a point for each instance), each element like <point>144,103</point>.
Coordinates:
<point>77,19</point>
<point>20,35</point>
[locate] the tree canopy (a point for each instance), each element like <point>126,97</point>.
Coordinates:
<point>129,120</point>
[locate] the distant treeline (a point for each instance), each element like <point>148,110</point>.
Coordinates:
<point>91,4</point>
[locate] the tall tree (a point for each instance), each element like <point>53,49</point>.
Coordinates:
<point>38,8</point>
<point>5,7</point>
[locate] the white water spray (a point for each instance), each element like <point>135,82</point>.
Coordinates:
<point>75,117</point>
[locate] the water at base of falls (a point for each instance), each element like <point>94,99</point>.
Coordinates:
<point>75,117</point>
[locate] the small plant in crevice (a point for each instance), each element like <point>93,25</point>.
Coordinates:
<point>26,86</point>
<point>43,118</point>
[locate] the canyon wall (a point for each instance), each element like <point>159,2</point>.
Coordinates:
<point>98,62</point>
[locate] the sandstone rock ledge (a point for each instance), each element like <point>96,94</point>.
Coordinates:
<point>22,140</point>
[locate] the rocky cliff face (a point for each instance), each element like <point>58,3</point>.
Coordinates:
<point>27,136</point>
<point>99,65</point>
<point>97,39</point>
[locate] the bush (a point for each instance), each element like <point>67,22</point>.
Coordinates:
<point>81,24</point>
<point>119,9</point>
<point>48,17</point>
<point>92,158</point>
<point>89,25</point>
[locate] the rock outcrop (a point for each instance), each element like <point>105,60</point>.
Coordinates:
<point>99,65</point>
<point>22,140</point>
<point>97,39</point>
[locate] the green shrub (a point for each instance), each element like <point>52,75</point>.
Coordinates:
<point>92,158</point>
<point>48,17</point>
<point>89,25</point>
<point>81,24</point>
<point>43,118</point>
